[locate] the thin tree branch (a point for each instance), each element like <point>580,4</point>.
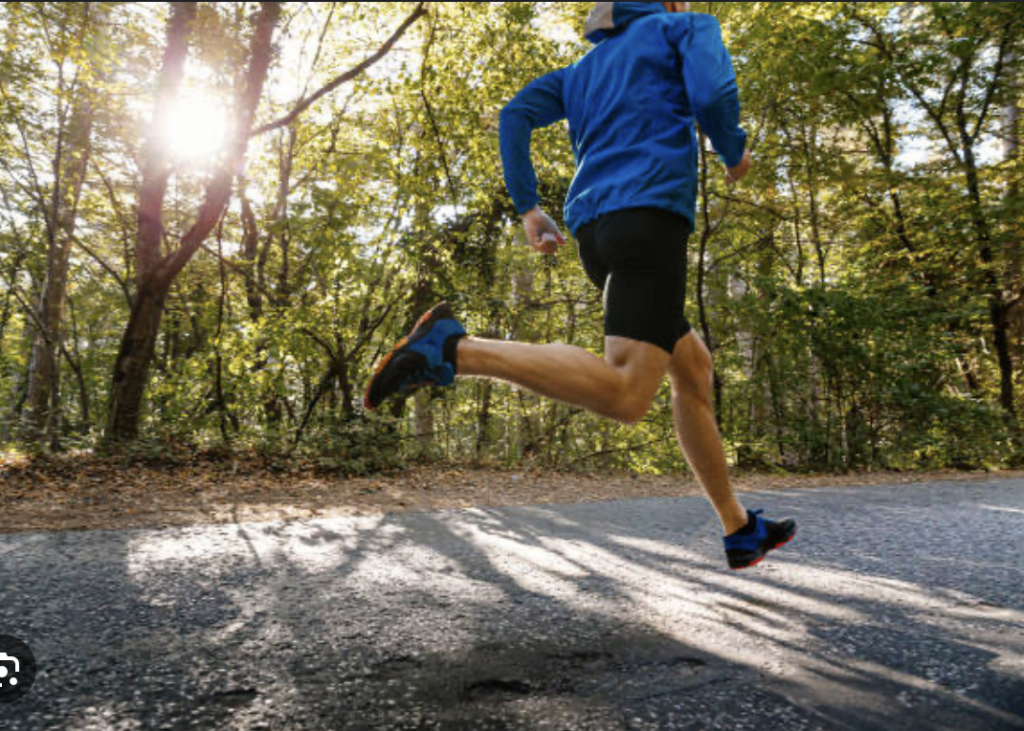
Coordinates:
<point>991,90</point>
<point>767,209</point>
<point>319,341</point>
<point>121,282</point>
<point>319,47</point>
<point>427,46</point>
<point>935,113</point>
<point>36,188</point>
<point>352,73</point>
<point>115,203</point>
<point>40,327</point>
<point>619,450</point>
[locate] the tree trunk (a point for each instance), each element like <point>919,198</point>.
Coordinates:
<point>157,273</point>
<point>1013,277</point>
<point>705,236</point>
<point>5,312</point>
<point>423,420</point>
<point>483,423</point>
<point>997,306</point>
<point>75,361</point>
<point>423,298</point>
<point>810,153</point>
<point>19,390</point>
<point>42,417</point>
<point>528,426</point>
<point>139,340</point>
<point>485,387</point>
<point>131,369</point>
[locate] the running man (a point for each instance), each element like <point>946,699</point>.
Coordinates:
<point>631,103</point>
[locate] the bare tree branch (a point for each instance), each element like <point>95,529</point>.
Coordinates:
<point>934,112</point>
<point>320,341</point>
<point>40,327</point>
<point>344,78</point>
<point>997,73</point>
<point>121,282</point>
<point>427,46</point>
<point>319,46</point>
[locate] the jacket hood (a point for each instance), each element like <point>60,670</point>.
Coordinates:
<point>609,18</point>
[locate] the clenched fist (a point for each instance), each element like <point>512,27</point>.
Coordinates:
<point>541,231</point>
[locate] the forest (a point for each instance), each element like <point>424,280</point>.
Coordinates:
<point>215,218</point>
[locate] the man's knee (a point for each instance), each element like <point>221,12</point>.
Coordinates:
<point>641,367</point>
<point>691,367</point>
<point>632,409</point>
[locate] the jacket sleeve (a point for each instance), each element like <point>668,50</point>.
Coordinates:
<point>537,105</point>
<point>711,86</point>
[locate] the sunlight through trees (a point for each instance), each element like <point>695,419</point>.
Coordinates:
<point>215,217</point>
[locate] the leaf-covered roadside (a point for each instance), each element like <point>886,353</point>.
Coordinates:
<point>79,492</point>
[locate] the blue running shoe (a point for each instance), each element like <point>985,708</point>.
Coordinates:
<point>746,549</point>
<point>418,359</point>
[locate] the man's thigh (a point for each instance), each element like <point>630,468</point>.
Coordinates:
<point>644,251</point>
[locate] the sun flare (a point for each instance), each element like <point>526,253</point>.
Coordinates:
<point>195,132</point>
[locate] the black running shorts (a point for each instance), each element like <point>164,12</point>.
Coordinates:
<point>637,257</point>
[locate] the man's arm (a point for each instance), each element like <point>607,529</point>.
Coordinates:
<point>711,86</point>
<point>537,105</point>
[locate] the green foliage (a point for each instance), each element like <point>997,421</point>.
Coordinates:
<point>846,285</point>
<point>881,395</point>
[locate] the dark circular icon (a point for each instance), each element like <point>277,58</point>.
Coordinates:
<point>17,669</point>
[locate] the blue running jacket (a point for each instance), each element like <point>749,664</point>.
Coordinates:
<point>631,103</point>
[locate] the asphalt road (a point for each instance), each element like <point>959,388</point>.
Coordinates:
<point>898,607</point>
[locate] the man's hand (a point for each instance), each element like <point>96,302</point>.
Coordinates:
<point>733,175</point>
<point>541,232</point>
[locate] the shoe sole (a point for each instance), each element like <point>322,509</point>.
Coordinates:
<point>760,558</point>
<point>395,351</point>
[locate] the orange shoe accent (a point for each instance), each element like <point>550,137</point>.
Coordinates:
<point>759,560</point>
<point>747,566</point>
<point>380,367</point>
<point>387,358</point>
<point>782,543</point>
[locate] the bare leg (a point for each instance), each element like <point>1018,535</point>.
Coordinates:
<point>619,387</point>
<point>694,415</point>
<point>622,387</point>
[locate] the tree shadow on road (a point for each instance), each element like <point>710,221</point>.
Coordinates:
<point>587,616</point>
